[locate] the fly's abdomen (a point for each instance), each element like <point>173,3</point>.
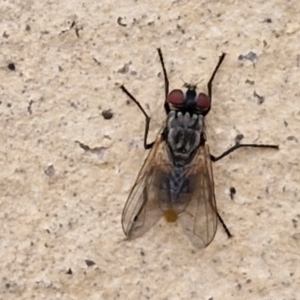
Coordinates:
<point>175,190</point>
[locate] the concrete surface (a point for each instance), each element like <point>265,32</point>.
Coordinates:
<point>61,201</point>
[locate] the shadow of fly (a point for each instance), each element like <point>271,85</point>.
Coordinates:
<point>176,180</point>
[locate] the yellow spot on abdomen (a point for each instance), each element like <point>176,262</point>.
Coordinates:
<point>170,215</point>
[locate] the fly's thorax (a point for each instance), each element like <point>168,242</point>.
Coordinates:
<point>184,133</point>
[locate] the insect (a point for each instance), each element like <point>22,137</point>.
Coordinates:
<point>176,179</point>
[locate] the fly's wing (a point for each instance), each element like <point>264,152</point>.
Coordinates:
<point>199,219</point>
<point>142,209</point>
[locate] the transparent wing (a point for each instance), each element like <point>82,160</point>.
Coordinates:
<point>142,209</point>
<point>199,219</point>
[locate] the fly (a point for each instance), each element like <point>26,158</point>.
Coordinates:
<point>176,180</point>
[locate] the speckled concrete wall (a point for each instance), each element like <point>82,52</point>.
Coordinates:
<point>67,165</point>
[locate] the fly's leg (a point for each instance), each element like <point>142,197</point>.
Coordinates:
<point>166,105</point>
<point>224,226</point>
<point>146,145</point>
<point>209,85</point>
<point>237,146</point>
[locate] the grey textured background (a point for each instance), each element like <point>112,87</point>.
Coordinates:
<point>61,205</point>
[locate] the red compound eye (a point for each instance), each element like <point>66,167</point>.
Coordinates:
<point>203,101</point>
<point>176,97</point>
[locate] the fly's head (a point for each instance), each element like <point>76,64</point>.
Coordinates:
<point>185,121</point>
<point>190,101</point>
